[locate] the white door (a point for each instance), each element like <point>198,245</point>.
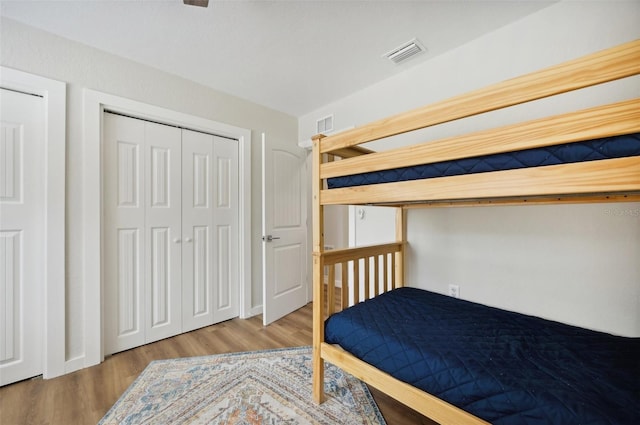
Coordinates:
<point>170,231</point>
<point>21,235</point>
<point>284,253</point>
<point>210,229</point>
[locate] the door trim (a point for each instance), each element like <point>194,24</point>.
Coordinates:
<point>54,94</point>
<point>94,105</point>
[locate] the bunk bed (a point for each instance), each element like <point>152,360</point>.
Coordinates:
<point>595,158</point>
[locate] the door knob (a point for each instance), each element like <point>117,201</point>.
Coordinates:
<point>269,238</point>
<point>177,240</point>
<point>187,239</point>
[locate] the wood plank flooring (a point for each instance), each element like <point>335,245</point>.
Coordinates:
<point>85,396</point>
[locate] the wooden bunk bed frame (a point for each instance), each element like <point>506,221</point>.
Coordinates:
<point>610,180</point>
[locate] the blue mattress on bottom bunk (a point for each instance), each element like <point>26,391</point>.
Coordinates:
<point>504,367</point>
<point>591,150</point>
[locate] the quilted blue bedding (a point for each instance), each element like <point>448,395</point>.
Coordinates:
<point>607,148</point>
<point>504,367</point>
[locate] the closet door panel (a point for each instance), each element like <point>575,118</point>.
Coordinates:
<point>163,221</point>
<point>124,233</point>
<point>225,217</point>
<point>197,223</point>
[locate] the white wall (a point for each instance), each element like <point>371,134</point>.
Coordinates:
<point>31,50</point>
<point>574,263</point>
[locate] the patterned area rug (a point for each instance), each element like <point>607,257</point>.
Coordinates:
<point>260,387</point>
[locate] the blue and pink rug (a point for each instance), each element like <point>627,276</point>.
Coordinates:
<point>260,387</point>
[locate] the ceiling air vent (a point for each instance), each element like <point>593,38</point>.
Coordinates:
<point>404,52</point>
<point>201,3</point>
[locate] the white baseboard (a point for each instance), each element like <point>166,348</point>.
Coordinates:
<point>255,310</point>
<point>74,364</point>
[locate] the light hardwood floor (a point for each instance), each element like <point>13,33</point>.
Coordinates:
<point>83,397</point>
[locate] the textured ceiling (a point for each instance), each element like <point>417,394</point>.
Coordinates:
<point>292,56</point>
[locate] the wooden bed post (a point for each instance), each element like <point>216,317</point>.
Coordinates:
<point>401,236</point>
<point>318,274</point>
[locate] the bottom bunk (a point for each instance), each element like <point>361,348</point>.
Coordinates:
<point>500,366</point>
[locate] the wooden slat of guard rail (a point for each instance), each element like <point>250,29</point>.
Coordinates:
<point>376,282</point>
<point>331,285</point>
<point>367,285</point>
<point>356,287</point>
<point>344,301</point>
<point>392,281</point>
<point>593,123</point>
<point>600,67</point>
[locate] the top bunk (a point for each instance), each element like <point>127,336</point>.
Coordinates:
<point>589,155</point>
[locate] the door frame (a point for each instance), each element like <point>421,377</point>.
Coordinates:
<point>54,94</point>
<point>94,105</point>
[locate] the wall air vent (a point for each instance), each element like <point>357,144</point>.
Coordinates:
<point>324,125</point>
<point>405,52</point>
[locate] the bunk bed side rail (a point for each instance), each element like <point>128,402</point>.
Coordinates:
<point>607,65</point>
<point>607,177</point>
<point>621,118</point>
<point>428,405</point>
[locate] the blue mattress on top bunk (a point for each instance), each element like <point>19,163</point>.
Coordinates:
<point>591,150</point>
<point>504,367</point>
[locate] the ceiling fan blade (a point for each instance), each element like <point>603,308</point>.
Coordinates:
<point>201,3</point>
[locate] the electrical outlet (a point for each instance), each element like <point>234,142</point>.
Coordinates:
<point>454,291</point>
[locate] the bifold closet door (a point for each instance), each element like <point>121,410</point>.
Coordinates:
<point>226,223</point>
<point>170,231</point>
<point>142,232</point>
<point>163,242</point>
<point>210,229</point>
